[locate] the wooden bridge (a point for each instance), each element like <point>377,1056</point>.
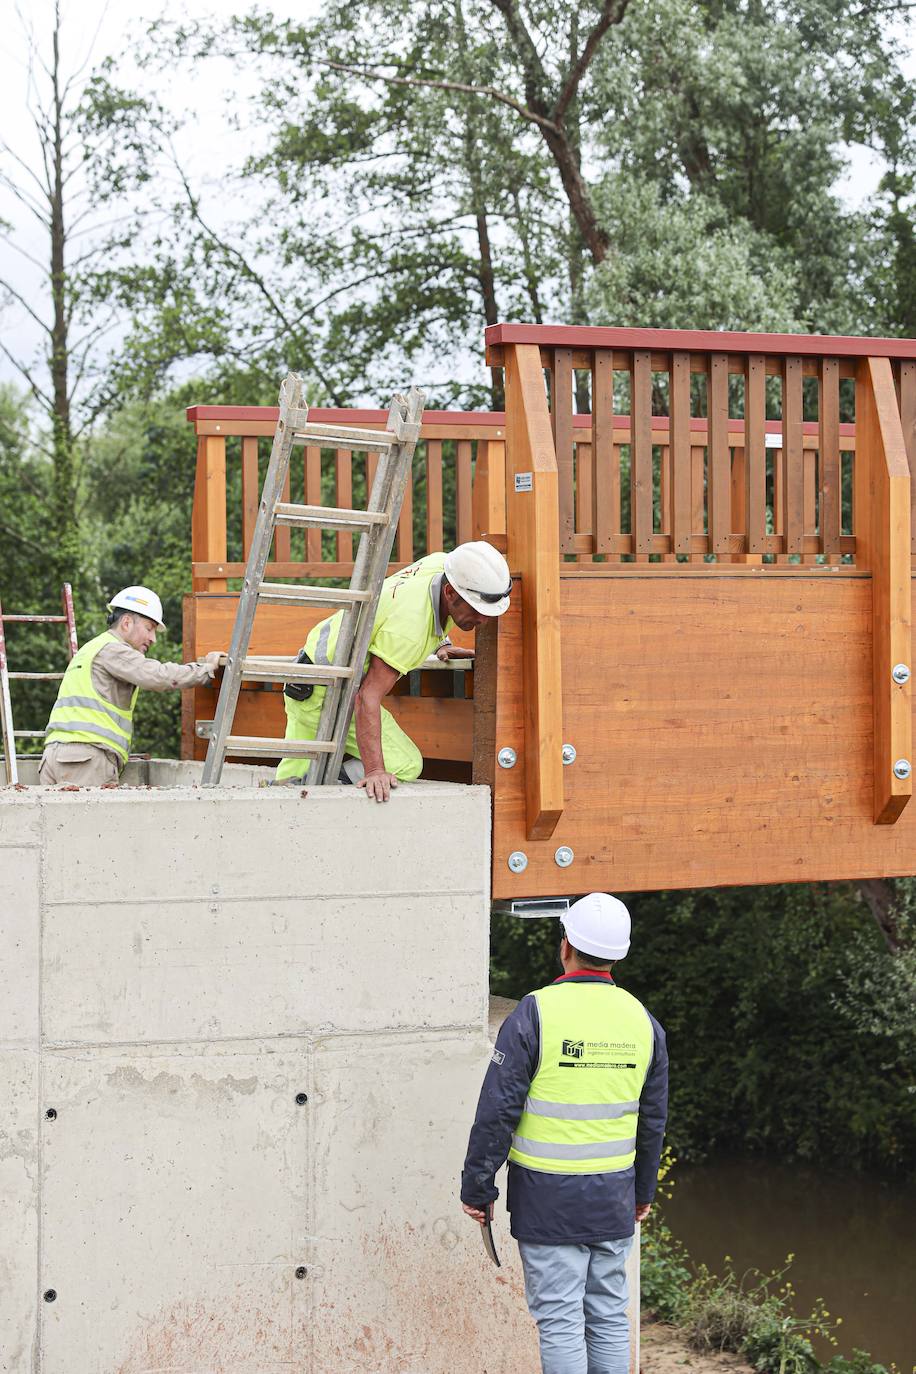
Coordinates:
<point>712,541</point>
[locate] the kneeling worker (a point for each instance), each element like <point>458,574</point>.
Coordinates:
<point>88,735</point>
<point>576,1097</point>
<point>416,609</point>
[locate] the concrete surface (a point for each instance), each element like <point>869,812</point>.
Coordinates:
<point>176,966</point>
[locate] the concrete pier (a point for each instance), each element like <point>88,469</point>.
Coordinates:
<point>242,1033</point>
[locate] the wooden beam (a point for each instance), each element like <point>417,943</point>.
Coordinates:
<point>882,453</point>
<point>534,553</point>
<point>489,493</point>
<point>208,518</point>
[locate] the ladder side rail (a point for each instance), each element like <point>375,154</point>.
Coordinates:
<point>70,618</point>
<point>365,575</point>
<point>408,428</point>
<point>6,713</point>
<point>278,466</point>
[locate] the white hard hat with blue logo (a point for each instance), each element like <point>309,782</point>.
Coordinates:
<point>141,601</point>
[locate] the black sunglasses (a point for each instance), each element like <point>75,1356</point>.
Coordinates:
<point>490,598</point>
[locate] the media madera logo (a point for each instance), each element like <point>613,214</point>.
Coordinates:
<point>574,1049</point>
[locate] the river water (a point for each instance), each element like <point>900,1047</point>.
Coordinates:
<point>853,1237</point>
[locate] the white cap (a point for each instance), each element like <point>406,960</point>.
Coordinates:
<point>141,601</point>
<point>598,925</point>
<point>480,575</point>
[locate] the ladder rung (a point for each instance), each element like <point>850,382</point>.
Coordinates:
<point>273,748</point>
<point>37,677</point>
<point>36,619</point>
<point>343,436</point>
<point>280,594</point>
<point>29,734</point>
<point>266,669</point>
<point>328,517</point>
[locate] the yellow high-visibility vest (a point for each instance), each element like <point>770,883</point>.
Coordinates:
<point>81,715</point>
<point>582,1108</point>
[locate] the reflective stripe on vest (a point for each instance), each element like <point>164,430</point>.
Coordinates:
<point>81,716</point>
<point>581,1113</point>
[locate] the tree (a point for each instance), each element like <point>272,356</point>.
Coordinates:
<point>68,183</point>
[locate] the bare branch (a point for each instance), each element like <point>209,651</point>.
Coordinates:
<point>24,199</point>
<point>5,147</point>
<point>373,74</point>
<point>536,81</point>
<point>11,243</point>
<point>611,13</point>
<point>11,290</point>
<point>43,400</point>
<point>20,538</point>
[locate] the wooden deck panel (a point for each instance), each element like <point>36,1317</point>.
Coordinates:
<point>724,735</point>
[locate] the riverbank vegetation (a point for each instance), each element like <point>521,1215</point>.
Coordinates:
<point>751,1315</point>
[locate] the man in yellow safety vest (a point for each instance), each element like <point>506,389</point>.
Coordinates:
<point>88,735</point>
<point>417,608</point>
<point>576,1098</point>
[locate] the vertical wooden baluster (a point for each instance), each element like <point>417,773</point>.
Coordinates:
<point>584,492</point>
<point>666,502</point>
<point>719,475</point>
<point>908,424</point>
<point>343,495</point>
<point>828,442</point>
<point>405,525</point>
<point>434,537</point>
<point>779,500</point>
<point>793,462</point>
<point>679,407</point>
<point>809,469</point>
<point>210,508</point>
<point>464,513</point>
<point>250,491</point>
<point>738,520</point>
<point>605,455</point>
<point>641,483</point>
<point>312,498</point>
<point>698,498</point>
<point>561,418</point>
<point>755,453</point>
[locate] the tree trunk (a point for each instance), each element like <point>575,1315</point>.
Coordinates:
<point>66,532</point>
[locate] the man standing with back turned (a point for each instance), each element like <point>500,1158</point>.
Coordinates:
<point>576,1097</point>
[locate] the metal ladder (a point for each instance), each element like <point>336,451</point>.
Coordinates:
<point>376,525</point>
<point>10,735</point>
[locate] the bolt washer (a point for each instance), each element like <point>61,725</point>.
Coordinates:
<point>564,856</point>
<point>902,769</point>
<point>518,861</point>
<point>506,758</point>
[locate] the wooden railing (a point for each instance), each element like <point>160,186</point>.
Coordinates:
<point>698,467</point>
<point>443,506</point>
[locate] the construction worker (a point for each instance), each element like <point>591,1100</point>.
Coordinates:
<point>417,608</point>
<point>88,735</point>
<point>576,1097</point>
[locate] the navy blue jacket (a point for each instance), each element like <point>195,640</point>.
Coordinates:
<point>559,1209</point>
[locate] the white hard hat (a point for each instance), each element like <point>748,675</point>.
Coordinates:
<point>480,575</point>
<point>598,925</point>
<point>141,601</point>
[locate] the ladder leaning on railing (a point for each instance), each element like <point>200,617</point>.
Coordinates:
<point>10,735</point>
<point>376,525</point>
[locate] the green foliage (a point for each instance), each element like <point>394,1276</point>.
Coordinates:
<point>790,1023</point>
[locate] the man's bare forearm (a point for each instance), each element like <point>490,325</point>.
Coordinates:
<point>368,723</point>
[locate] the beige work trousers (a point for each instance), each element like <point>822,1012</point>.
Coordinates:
<point>77,765</point>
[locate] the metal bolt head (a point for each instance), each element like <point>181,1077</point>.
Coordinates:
<point>301,1271</point>
<point>902,769</point>
<point>301,1099</point>
<point>569,753</point>
<point>900,673</point>
<point>506,758</point>
<point>564,856</point>
<point>518,861</point>
<point>51,1114</point>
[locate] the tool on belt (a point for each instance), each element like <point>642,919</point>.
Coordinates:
<point>299,691</point>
